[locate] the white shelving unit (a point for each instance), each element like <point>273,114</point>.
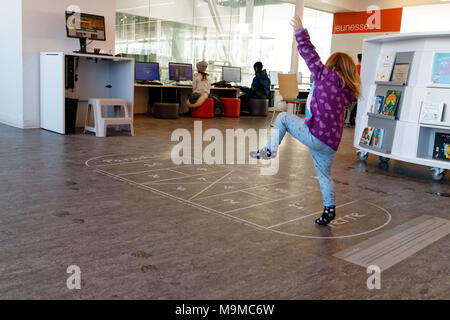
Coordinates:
<point>405,138</point>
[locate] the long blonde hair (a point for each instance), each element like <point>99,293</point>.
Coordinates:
<point>343,64</point>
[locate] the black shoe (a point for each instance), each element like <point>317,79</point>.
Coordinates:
<point>264,153</point>
<point>328,215</point>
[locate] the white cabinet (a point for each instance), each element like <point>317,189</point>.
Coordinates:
<point>98,77</point>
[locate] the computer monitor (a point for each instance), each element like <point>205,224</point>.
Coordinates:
<point>231,74</point>
<point>85,26</point>
<point>147,71</point>
<point>180,72</point>
<point>273,75</point>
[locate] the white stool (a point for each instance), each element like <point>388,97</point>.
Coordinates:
<point>102,122</point>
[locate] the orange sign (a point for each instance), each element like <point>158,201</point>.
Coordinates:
<point>388,20</point>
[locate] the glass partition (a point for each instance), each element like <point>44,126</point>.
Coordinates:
<point>222,32</point>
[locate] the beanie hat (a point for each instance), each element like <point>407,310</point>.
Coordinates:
<point>202,66</point>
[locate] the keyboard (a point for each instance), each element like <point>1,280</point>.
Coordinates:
<point>151,83</point>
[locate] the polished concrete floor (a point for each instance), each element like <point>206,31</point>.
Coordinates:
<point>104,205</point>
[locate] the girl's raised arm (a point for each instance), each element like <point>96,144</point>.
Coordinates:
<point>308,51</point>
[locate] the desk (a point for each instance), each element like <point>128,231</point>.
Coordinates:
<point>98,77</point>
<point>146,95</point>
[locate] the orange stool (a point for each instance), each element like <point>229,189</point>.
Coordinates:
<point>206,110</point>
<point>232,107</point>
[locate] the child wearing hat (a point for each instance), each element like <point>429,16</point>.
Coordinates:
<point>201,84</point>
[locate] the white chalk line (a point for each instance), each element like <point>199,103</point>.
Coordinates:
<point>236,191</point>
<point>266,202</point>
<point>234,218</point>
<point>309,215</point>
<point>118,164</point>
<point>211,185</point>
<point>184,177</point>
<point>149,171</point>
<point>175,171</point>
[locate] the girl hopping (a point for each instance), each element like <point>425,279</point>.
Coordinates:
<point>336,84</point>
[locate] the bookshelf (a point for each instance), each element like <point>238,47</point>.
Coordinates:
<point>405,137</point>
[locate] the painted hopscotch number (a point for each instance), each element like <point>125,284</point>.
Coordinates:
<point>231,201</point>
<point>296,206</point>
<point>125,160</point>
<point>156,164</point>
<point>346,219</point>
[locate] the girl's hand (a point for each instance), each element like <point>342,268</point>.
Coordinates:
<point>297,23</point>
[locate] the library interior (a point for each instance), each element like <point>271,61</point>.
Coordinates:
<point>225,149</point>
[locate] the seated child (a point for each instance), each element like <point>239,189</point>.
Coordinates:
<point>201,84</point>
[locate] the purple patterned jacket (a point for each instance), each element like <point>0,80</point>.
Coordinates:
<point>329,98</point>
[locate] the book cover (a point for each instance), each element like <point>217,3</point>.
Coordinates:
<point>373,105</point>
<point>377,139</point>
<point>385,65</point>
<point>400,73</point>
<point>366,137</point>
<point>431,112</point>
<point>442,146</point>
<point>391,102</point>
<point>441,68</point>
<point>379,104</point>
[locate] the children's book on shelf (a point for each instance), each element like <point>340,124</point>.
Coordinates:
<point>431,112</point>
<point>373,105</point>
<point>441,69</point>
<point>385,65</point>
<point>379,104</point>
<point>377,139</point>
<point>442,146</point>
<point>391,102</point>
<point>400,73</point>
<point>366,137</point>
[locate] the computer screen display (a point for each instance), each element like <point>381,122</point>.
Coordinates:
<point>231,74</point>
<point>180,72</point>
<point>147,71</point>
<point>273,75</point>
<point>83,25</point>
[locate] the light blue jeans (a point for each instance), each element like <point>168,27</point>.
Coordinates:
<point>322,155</point>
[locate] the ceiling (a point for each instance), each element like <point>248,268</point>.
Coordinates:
<point>362,5</point>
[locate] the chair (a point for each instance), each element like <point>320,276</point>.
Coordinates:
<point>232,107</point>
<point>288,84</point>
<point>122,116</point>
<point>258,107</point>
<point>206,110</point>
<point>166,110</point>
<point>348,113</point>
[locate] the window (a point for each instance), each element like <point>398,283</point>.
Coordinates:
<point>222,32</point>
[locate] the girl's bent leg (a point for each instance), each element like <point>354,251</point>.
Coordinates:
<point>296,127</point>
<point>323,162</point>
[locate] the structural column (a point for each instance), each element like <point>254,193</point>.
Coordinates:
<point>299,10</point>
